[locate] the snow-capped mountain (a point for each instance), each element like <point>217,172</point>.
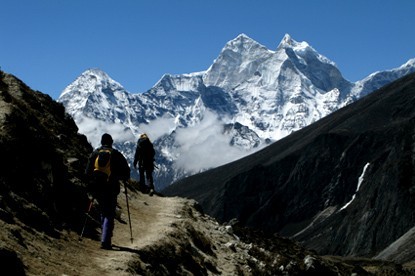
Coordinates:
<point>248,97</point>
<point>277,92</point>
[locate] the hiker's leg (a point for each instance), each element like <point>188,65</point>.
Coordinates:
<point>149,175</point>
<point>141,171</point>
<point>108,216</point>
<point>107,228</point>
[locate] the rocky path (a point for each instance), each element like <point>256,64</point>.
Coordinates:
<point>170,236</point>
<point>151,218</point>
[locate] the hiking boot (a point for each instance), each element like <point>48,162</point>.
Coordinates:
<point>106,246</point>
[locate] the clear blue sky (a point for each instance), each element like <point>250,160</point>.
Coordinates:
<point>49,43</point>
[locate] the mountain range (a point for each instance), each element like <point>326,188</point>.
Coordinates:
<point>248,98</point>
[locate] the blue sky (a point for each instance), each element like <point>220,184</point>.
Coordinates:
<point>49,43</point>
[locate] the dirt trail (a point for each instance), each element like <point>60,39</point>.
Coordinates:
<point>170,236</point>
<point>164,229</point>
<point>151,218</point>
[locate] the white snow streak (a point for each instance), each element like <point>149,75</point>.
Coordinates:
<point>361,178</point>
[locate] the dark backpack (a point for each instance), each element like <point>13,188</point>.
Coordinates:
<point>102,163</point>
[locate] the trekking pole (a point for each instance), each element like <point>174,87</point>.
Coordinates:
<point>86,217</point>
<point>128,211</point>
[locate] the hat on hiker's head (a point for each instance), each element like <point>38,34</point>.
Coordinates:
<point>144,136</point>
<point>106,139</point>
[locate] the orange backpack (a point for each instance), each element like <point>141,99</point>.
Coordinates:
<point>103,162</point>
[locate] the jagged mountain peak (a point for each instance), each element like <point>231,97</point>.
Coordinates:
<point>381,78</point>
<point>410,62</point>
<point>165,82</point>
<point>92,81</point>
<point>242,43</point>
<point>183,82</point>
<point>94,92</point>
<point>95,72</point>
<point>240,39</point>
<point>408,66</point>
<point>236,61</point>
<point>302,49</point>
<point>94,76</point>
<point>288,42</point>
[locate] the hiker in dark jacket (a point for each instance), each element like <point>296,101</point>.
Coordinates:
<point>144,156</point>
<point>105,183</point>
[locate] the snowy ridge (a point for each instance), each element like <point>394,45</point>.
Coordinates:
<point>248,97</point>
<point>301,47</point>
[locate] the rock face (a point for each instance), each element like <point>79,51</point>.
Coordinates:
<point>348,177</point>
<point>43,159</point>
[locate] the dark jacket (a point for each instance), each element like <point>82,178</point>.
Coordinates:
<point>119,171</point>
<point>144,154</point>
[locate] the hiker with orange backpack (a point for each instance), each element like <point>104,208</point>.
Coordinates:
<point>107,167</point>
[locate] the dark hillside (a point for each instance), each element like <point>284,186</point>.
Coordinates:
<point>43,159</point>
<point>298,185</point>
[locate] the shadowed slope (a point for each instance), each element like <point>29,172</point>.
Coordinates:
<point>298,185</point>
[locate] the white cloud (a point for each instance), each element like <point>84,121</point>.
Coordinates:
<point>197,148</point>
<point>93,129</point>
<point>157,128</point>
<point>205,146</point>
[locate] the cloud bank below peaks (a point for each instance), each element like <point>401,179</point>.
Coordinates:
<point>93,129</point>
<point>158,127</point>
<point>205,145</point>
